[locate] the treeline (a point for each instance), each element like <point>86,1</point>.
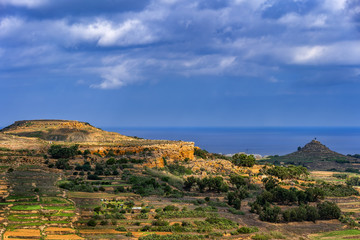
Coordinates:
<point>264,205</point>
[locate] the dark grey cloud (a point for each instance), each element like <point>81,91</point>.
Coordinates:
<point>124,42</point>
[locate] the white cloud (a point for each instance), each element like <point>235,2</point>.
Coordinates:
<point>343,53</point>
<point>305,21</point>
<point>106,33</point>
<point>119,75</point>
<point>9,25</point>
<point>308,54</point>
<point>24,3</point>
<point>334,5</point>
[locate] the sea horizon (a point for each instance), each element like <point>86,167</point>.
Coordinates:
<point>252,140</point>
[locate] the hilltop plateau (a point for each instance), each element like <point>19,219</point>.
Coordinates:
<point>39,135</point>
<point>63,130</point>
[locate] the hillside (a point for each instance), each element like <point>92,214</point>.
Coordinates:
<point>69,180</point>
<point>62,130</point>
<point>39,135</point>
<point>315,155</point>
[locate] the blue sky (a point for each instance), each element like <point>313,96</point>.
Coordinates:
<point>181,62</point>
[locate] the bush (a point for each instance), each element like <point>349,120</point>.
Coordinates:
<point>170,208</point>
<point>63,164</point>
<point>243,160</point>
<point>270,214</point>
<point>177,169</point>
<point>91,223</point>
<point>57,151</point>
<point>93,177</point>
<point>160,222</point>
<point>245,230</point>
<point>104,222</point>
<point>261,237</point>
<point>121,229</point>
<point>200,153</point>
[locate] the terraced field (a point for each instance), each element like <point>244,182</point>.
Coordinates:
<point>36,208</point>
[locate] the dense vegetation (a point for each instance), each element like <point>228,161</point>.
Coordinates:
<point>58,151</point>
<point>209,184</point>
<point>244,160</point>
<point>286,172</point>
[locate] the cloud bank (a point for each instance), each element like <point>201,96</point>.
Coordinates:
<point>118,44</point>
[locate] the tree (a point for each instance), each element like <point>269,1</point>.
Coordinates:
<point>312,213</point>
<point>189,182</point>
<point>270,183</point>
<point>91,223</point>
<point>57,151</point>
<point>63,164</point>
<point>235,198</point>
<point>241,159</point>
<point>328,210</point>
<point>271,214</point>
<point>238,180</point>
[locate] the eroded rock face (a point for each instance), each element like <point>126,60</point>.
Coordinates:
<point>156,154</point>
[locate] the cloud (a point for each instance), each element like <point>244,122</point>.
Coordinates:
<point>9,25</point>
<point>129,42</point>
<point>106,33</point>
<point>340,53</point>
<point>24,3</point>
<point>119,74</point>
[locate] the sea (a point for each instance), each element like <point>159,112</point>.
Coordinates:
<point>253,140</point>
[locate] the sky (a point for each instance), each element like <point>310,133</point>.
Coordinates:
<point>181,62</point>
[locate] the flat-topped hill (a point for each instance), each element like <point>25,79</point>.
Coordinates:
<point>62,130</point>
<point>315,155</point>
<point>39,135</point>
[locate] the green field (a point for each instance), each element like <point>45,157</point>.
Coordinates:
<point>338,235</point>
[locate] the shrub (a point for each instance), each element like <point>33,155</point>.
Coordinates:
<point>170,208</point>
<point>63,164</point>
<point>121,229</point>
<point>104,222</point>
<point>243,160</point>
<point>93,177</point>
<point>57,151</point>
<point>270,214</point>
<point>261,237</point>
<point>200,152</point>
<point>160,222</point>
<point>91,223</point>
<point>245,230</point>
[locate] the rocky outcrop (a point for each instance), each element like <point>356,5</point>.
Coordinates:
<point>156,153</point>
